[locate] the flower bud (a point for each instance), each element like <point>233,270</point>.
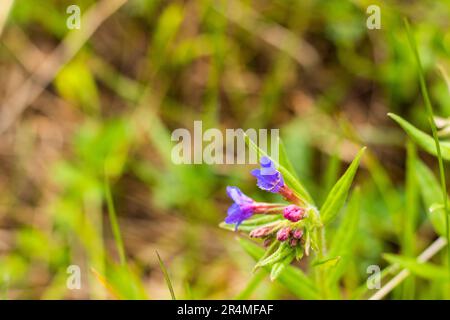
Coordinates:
<point>293,242</point>
<point>294,213</point>
<point>283,234</point>
<point>261,232</point>
<point>297,233</point>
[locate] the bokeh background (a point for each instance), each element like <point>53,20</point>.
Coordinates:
<point>91,110</point>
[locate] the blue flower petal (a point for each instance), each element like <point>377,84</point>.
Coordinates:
<point>268,178</point>
<point>236,194</point>
<point>242,209</point>
<point>234,213</point>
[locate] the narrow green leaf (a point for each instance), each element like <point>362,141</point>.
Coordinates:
<point>328,262</point>
<point>338,194</point>
<point>284,159</point>
<point>432,196</point>
<point>291,278</point>
<point>410,215</point>
<point>166,276</point>
<point>283,251</point>
<point>425,141</point>
<point>412,196</point>
<point>114,223</point>
<point>279,267</point>
<point>429,107</point>
<point>344,238</point>
<point>255,222</point>
<point>421,269</point>
<point>343,241</point>
<point>259,220</point>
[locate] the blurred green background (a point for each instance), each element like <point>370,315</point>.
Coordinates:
<point>69,118</point>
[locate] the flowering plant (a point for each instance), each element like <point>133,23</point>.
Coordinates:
<point>288,230</point>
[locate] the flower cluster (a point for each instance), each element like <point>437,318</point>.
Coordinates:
<point>288,225</point>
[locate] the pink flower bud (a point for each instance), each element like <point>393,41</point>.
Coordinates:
<point>293,242</point>
<point>283,234</point>
<point>297,233</point>
<point>261,232</point>
<point>294,213</point>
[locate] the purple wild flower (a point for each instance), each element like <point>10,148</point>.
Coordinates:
<point>269,178</point>
<point>244,207</point>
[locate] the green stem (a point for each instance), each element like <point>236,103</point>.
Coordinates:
<point>320,272</point>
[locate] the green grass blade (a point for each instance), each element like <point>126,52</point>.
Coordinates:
<point>348,227</point>
<point>344,240</point>
<point>429,108</point>
<point>422,269</point>
<point>166,276</point>
<point>432,196</point>
<point>338,194</point>
<point>114,223</point>
<point>284,159</point>
<point>422,139</point>
<point>410,215</point>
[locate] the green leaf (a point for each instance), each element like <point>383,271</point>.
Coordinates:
<point>114,222</point>
<point>288,176</point>
<point>439,149</point>
<point>338,194</point>
<point>430,190</point>
<point>421,269</point>
<point>329,262</point>
<point>284,160</point>
<point>425,141</point>
<point>279,267</point>
<point>410,216</point>
<point>283,251</point>
<point>255,222</point>
<point>345,235</point>
<point>166,276</point>
<point>292,278</point>
<point>344,239</point>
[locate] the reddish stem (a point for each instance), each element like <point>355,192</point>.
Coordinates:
<point>290,196</point>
